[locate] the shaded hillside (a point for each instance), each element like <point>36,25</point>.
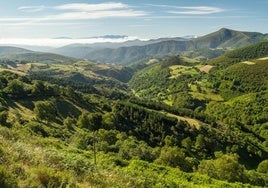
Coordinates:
<point>41,57</point>
<point>128,55</point>
<point>224,38</point>
<point>82,50</point>
<point>6,50</point>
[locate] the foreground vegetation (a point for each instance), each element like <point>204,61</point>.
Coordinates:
<point>181,128</point>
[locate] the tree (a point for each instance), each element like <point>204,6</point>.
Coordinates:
<point>45,110</point>
<point>95,121</point>
<point>15,89</point>
<point>174,157</point>
<point>224,167</point>
<point>83,121</point>
<point>187,143</point>
<point>3,118</point>
<point>263,167</point>
<point>200,142</point>
<point>38,88</point>
<point>69,122</point>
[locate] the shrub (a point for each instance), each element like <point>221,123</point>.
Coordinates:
<point>6,179</point>
<point>263,167</point>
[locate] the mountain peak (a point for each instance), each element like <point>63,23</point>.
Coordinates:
<point>225,29</point>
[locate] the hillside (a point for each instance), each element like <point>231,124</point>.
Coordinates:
<point>227,38</point>
<point>81,50</point>
<point>89,77</point>
<point>222,39</point>
<point>6,50</point>
<point>166,122</point>
<point>55,136</point>
<point>233,95</point>
<point>40,57</point>
<point>257,50</point>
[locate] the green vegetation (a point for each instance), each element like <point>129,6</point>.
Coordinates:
<point>78,125</point>
<point>205,47</point>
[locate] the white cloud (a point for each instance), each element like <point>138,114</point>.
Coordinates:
<point>61,42</point>
<point>92,7</point>
<point>94,15</point>
<point>31,8</point>
<point>76,11</point>
<point>200,10</point>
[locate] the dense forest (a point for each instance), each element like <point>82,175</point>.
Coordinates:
<point>172,122</point>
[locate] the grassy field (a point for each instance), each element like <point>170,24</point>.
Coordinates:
<point>177,70</point>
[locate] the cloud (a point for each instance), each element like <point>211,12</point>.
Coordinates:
<point>32,8</point>
<point>62,42</point>
<point>199,10</point>
<point>94,15</point>
<point>92,7</point>
<point>74,12</point>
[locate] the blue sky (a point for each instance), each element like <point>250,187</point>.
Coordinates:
<point>141,18</point>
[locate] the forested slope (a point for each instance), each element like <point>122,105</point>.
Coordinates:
<point>187,123</point>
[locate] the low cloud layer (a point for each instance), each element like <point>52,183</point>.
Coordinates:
<point>62,41</point>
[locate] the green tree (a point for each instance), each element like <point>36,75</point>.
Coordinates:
<point>95,121</point>
<point>45,110</point>
<point>83,121</point>
<point>174,157</point>
<point>263,167</point>
<point>15,89</point>
<point>224,167</point>
<point>69,122</point>
<point>187,143</point>
<point>200,142</point>
<point>38,88</point>
<point>3,118</point>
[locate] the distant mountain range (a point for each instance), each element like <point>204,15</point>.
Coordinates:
<point>83,50</point>
<point>129,52</point>
<point>222,39</point>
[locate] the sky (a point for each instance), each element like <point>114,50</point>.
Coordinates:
<point>38,22</point>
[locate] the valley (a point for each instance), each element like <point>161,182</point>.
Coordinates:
<point>163,113</point>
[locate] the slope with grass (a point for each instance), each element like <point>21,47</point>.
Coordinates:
<point>185,124</point>
<point>48,134</point>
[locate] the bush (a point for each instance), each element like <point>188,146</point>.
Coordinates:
<point>6,179</point>
<point>224,167</point>
<point>37,128</point>
<point>3,118</point>
<point>48,177</point>
<point>263,167</point>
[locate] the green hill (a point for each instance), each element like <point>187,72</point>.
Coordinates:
<point>219,41</point>
<point>55,136</point>
<point>233,94</point>
<point>227,38</point>
<point>177,122</point>
<point>253,51</point>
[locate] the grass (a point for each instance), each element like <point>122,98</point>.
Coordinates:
<point>177,70</point>
<point>248,62</point>
<point>12,70</point>
<point>263,58</point>
<point>204,94</point>
<point>206,68</point>
<point>193,122</point>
